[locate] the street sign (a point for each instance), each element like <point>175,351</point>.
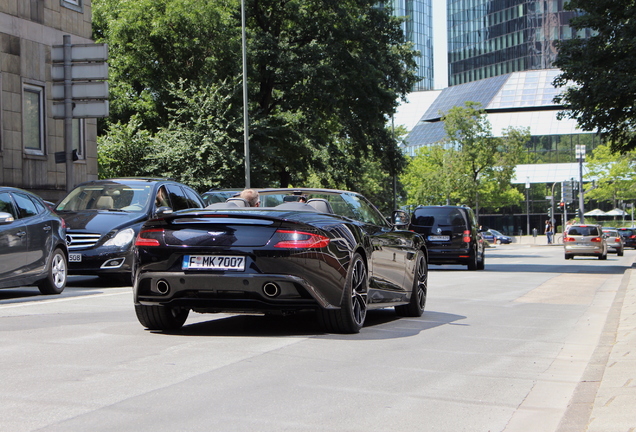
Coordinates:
<point>81,71</point>
<point>83,109</point>
<point>82,90</point>
<point>81,53</point>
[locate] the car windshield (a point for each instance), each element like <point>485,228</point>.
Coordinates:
<point>107,196</point>
<point>429,216</point>
<point>349,205</point>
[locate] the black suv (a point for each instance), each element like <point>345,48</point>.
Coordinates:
<point>629,236</point>
<point>451,235</point>
<point>103,217</point>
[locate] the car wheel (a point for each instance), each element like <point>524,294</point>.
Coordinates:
<point>481,264</point>
<point>620,252</point>
<point>568,256</point>
<point>472,264</point>
<point>353,306</point>
<point>416,305</point>
<point>161,317</point>
<point>603,257</point>
<point>498,242</point>
<point>56,274</point>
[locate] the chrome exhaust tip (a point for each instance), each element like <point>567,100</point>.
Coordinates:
<point>162,287</point>
<point>271,290</point>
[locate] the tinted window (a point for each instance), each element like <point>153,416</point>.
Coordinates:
<point>26,208</point>
<point>6,205</point>
<point>584,231</point>
<point>193,198</point>
<point>177,197</point>
<point>430,216</point>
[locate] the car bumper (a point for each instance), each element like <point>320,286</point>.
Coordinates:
<point>100,261</point>
<point>441,256</point>
<point>211,293</point>
<point>584,250</point>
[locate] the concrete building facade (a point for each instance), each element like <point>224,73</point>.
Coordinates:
<point>29,135</point>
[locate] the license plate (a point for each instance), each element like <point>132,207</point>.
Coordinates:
<point>73,257</point>
<point>439,238</point>
<point>213,262</point>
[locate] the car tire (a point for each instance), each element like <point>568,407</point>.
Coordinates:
<point>481,264</point>
<point>161,317</point>
<point>56,274</point>
<point>603,257</point>
<point>498,242</point>
<point>568,256</point>
<point>620,252</point>
<point>415,307</point>
<point>473,264</point>
<point>349,318</point>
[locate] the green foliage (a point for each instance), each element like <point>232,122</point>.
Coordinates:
<point>598,72</point>
<point>122,152</point>
<point>470,167</point>
<point>616,175</point>
<point>323,78</point>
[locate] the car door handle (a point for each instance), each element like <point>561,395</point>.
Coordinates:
<point>21,233</point>
<point>47,228</point>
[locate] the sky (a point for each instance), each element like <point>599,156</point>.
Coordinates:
<point>440,59</point>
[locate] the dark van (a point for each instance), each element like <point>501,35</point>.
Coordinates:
<point>451,235</point>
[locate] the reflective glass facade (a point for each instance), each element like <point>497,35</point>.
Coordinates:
<point>487,38</point>
<point>418,29</point>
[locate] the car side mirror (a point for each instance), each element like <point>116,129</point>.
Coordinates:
<point>163,211</point>
<point>400,219</point>
<point>6,218</point>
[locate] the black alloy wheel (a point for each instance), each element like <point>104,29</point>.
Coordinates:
<point>415,308</point>
<point>161,317</point>
<point>353,306</point>
<point>473,264</point>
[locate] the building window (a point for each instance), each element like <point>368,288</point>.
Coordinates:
<point>78,138</point>
<point>33,133</point>
<point>76,5</point>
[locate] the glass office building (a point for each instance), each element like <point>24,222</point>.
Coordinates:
<point>487,38</point>
<point>418,29</point>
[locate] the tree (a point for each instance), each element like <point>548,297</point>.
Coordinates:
<point>470,166</point>
<point>598,72</point>
<point>324,78</point>
<point>615,176</point>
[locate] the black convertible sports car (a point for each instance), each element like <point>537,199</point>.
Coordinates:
<point>335,254</point>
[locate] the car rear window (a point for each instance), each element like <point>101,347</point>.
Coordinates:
<point>584,231</point>
<point>430,216</point>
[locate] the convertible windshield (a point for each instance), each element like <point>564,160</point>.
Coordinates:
<point>111,196</point>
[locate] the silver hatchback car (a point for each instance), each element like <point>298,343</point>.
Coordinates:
<point>585,240</point>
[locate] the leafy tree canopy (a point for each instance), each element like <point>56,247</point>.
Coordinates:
<point>323,76</point>
<point>470,167</point>
<point>598,73</point>
<point>615,175</point>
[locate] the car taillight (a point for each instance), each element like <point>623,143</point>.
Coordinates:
<point>617,239</point>
<point>596,240</point>
<point>632,236</point>
<point>568,239</point>
<point>149,237</point>
<point>466,236</point>
<point>300,240</point>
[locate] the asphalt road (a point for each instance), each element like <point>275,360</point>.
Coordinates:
<point>502,349</point>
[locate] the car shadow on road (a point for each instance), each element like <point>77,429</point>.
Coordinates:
<point>379,324</point>
<point>577,265</point>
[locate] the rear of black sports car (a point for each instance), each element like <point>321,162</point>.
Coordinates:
<point>238,262</point>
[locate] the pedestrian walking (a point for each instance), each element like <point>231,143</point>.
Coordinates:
<point>549,231</point>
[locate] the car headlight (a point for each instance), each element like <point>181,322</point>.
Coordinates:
<point>122,238</point>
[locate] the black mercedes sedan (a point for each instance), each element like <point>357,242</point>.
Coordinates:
<point>32,243</point>
<point>103,218</point>
<point>335,254</point>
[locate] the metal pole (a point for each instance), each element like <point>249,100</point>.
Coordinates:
<point>394,168</point>
<point>581,156</point>
<point>68,113</point>
<point>527,207</point>
<point>246,122</point>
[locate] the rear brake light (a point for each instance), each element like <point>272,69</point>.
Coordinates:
<point>300,240</point>
<point>632,236</point>
<point>617,239</point>
<point>466,236</point>
<point>145,237</point>
<point>596,240</point>
<point>568,239</point>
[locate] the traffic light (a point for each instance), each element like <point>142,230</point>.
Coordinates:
<point>549,211</point>
<point>561,204</point>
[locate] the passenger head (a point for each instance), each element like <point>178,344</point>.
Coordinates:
<point>251,196</point>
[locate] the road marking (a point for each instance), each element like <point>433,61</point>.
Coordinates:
<point>59,300</point>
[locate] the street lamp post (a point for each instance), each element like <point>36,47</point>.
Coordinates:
<point>580,156</point>
<point>527,206</point>
<point>246,123</point>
